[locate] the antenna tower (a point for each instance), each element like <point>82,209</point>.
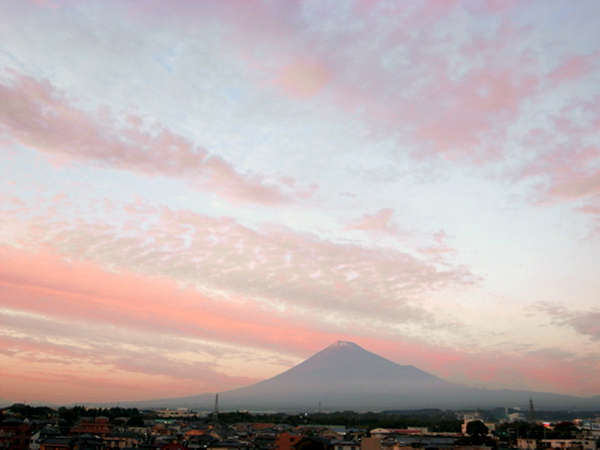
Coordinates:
<point>216,410</point>
<point>531,410</point>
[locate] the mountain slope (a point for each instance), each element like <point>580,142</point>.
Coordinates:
<point>342,375</point>
<point>347,364</point>
<point>346,376</point>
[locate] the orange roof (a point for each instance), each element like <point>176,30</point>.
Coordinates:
<point>262,425</point>
<point>195,433</point>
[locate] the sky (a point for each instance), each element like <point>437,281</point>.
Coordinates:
<point>197,195</point>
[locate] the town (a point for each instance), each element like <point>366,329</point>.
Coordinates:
<point>44,428</point>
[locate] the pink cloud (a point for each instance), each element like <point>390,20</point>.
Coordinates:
<point>440,246</point>
<point>38,116</point>
<point>295,269</point>
<point>31,381</point>
<point>565,168</point>
<point>463,112</point>
<point>303,78</point>
<point>570,172</point>
<point>439,100</point>
<point>59,283</point>
<point>52,4</point>
<point>569,184</point>
<point>497,6</point>
<point>379,222</point>
<point>468,111</point>
<point>44,283</point>
<point>435,9</point>
<point>152,369</point>
<point>573,68</point>
<point>298,271</point>
<point>592,207</point>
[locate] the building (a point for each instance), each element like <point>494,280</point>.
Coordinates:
<point>345,445</point>
<point>286,441</point>
<point>87,425</point>
<point>370,443</point>
<point>14,434</point>
<point>56,443</point>
<point>313,443</point>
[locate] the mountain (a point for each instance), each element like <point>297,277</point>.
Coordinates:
<point>346,376</point>
<point>343,374</point>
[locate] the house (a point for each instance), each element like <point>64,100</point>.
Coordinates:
<point>172,446</point>
<point>200,441</point>
<point>345,445</point>
<point>87,442</point>
<point>526,444</point>
<point>578,444</point>
<point>286,440</point>
<point>87,425</point>
<point>56,443</point>
<point>229,444</point>
<point>370,443</point>
<point>313,443</point>
<point>14,434</point>
<point>122,440</point>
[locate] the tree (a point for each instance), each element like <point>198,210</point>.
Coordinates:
<point>565,430</point>
<point>135,421</point>
<point>477,428</point>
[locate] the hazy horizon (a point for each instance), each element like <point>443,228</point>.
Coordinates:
<point>346,377</point>
<point>198,195</point>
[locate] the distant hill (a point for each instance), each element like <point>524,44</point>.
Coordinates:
<point>346,376</point>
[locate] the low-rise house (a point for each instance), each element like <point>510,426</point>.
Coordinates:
<point>229,444</point>
<point>345,445</point>
<point>370,443</point>
<point>87,442</point>
<point>265,440</point>
<point>286,440</point>
<point>400,442</point>
<point>41,435</point>
<point>575,444</point>
<point>313,443</point>
<point>122,440</point>
<point>172,446</point>
<point>87,425</point>
<point>202,441</point>
<point>15,434</point>
<point>56,443</point>
<point>526,444</point>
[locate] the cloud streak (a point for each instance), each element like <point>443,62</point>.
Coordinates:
<point>379,222</point>
<point>584,322</point>
<point>133,305</point>
<point>263,178</point>
<point>38,116</point>
<point>293,271</point>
